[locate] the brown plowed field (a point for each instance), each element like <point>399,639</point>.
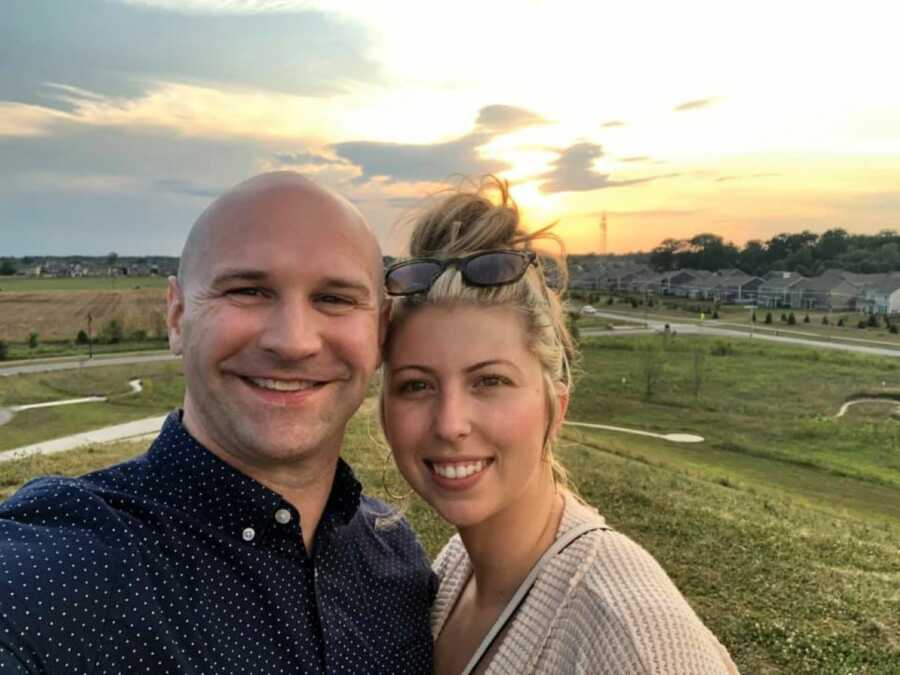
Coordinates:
<point>60,315</point>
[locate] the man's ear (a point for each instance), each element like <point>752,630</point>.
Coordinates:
<point>174,313</point>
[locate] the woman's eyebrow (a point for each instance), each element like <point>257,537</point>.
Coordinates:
<point>412,366</point>
<point>491,362</point>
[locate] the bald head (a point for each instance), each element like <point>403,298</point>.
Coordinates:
<point>286,197</point>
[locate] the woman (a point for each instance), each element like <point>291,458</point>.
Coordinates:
<point>477,381</point>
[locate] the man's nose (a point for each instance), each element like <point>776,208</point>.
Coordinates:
<point>453,415</point>
<point>293,331</point>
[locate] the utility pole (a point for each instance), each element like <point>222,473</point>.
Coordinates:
<point>603,234</point>
<point>90,336</point>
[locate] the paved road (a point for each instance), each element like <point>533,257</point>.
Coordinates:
<point>48,366</point>
<point>711,328</point>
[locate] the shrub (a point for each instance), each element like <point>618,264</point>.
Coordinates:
<point>81,338</point>
<point>32,340</point>
<point>874,321</point>
<point>806,319</point>
<point>893,329</point>
<point>825,320</point>
<point>768,317</point>
<point>840,322</point>
<point>112,332</point>
<point>715,314</point>
<point>650,302</point>
<point>634,303</point>
<point>753,317</point>
<point>722,348</point>
<point>792,320</point>
<point>609,300</point>
<point>4,350</point>
<point>862,324</point>
<point>783,317</point>
<point>138,335</point>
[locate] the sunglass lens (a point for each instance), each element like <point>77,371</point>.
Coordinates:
<point>494,269</point>
<point>413,278</point>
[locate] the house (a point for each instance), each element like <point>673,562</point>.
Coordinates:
<point>738,288</point>
<point>777,290</point>
<point>883,297</point>
<point>828,291</point>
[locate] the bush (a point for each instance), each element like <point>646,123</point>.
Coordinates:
<point>840,322</point>
<point>81,338</point>
<point>650,302</point>
<point>753,317</point>
<point>792,320</point>
<point>4,350</point>
<point>715,314</point>
<point>825,320</point>
<point>783,317</point>
<point>112,332</point>
<point>862,324</point>
<point>893,329</point>
<point>609,300</point>
<point>634,303</point>
<point>722,348</point>
<point>768,317</point>
<point>806,319</point>
<point>32,340</point>
<point>874,321</point>
<point>139,335</point>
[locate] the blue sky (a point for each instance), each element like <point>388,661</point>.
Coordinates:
<point>121,119</point>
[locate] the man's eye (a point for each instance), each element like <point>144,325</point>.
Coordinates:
<point>247,292</point>
<point>412,386</point>
<point>335,300</point>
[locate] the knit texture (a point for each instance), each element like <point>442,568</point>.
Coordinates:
<point>603,605</point>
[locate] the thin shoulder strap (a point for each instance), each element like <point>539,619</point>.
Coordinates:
<point>523,589</point>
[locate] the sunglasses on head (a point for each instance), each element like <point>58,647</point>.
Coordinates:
<point>485,269</point>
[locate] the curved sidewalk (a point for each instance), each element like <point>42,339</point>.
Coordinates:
<point>119,432</point>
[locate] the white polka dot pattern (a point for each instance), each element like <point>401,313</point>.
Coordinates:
<point>177,563</point>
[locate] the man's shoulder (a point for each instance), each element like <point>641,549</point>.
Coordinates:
<point>390,527</point>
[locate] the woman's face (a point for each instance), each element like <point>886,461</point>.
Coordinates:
<point>465,410</point>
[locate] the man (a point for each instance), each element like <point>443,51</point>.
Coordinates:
<point>240,542</point>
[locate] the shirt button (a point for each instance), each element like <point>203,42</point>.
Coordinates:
<point>283,516</point>
<point>248,534</point>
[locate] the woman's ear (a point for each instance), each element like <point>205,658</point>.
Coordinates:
<point>562,405</point>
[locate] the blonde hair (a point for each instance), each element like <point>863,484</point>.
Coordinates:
<point>467,221</point>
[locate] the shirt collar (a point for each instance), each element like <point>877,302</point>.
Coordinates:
<point>192,479</point>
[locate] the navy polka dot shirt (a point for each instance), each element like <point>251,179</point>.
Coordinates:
<point>177,563</point>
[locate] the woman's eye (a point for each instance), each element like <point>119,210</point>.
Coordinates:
<point>492,381</point>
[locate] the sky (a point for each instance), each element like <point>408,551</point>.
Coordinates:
<point>120,120</point>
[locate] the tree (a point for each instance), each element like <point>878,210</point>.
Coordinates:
<point>81,338</point>
<point>663,257</point>
<point>7,268</point>
<point>111,258</point>
<point>32,340</point>
<point>768,317</point>
<point>112,332</point>
<point>753,257</point>
<point>4,350</point>
<point>792,320</point>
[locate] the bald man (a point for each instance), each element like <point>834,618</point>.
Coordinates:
<point>240,543</point>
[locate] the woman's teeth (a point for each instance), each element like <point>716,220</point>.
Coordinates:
<point>283,385</point>
<point>458,469</point>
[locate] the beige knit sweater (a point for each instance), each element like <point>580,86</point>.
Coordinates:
<point>603,605</point>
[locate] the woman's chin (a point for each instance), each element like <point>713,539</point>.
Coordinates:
<point>462,516</point>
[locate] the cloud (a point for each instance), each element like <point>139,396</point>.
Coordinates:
<point>696,104</point>
<point>436,162</point>
<point>613,124</point>
<point>724,179</point>
<point>122,50</point>
<point>573,171</point>
<point>307,159</point>
<point>635,158</point>
<point>189,187</point>
<point>505,118</point>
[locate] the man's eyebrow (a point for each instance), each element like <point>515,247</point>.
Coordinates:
<point>347,285</point>
<point>237,274</point>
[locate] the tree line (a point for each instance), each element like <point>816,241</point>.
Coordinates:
<point>807,253</point>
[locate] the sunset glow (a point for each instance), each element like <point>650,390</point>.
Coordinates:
<point>673,119</point>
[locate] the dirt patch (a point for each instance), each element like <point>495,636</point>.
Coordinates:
<point>60,315</point>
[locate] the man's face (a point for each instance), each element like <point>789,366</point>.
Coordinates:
<point>279,326</point>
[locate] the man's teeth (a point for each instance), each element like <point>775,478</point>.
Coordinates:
<point>459,469</point>
<point>283,385</point>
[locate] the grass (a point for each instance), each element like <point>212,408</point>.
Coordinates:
<point>23,284</point>
<point>18,351</point>
<point>163,391</point>
<point>788,589</point>
<point>734,316</point>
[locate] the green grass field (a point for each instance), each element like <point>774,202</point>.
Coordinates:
<point>18,351</point>
<point>788,589</point>
<point>163,390</point>
<point>782,529</point>
<point>22,284</point>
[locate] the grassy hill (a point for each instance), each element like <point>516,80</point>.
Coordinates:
<point>782,529</point>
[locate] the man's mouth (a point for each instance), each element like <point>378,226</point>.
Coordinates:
<point>458,470</point>
<point>284,385</point>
